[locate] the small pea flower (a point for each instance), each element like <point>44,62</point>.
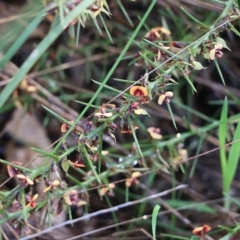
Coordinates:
<point>133,179</point>
<point>103,113</point>
<point>107,114</point>
<point>31,201</point>
<point>210,50</point>
<point>25,180</point>
<point>71,197</point>
<point>106,190</point>
<point>176,47</point>
<point>160,53</point>
<point>112,126</point>
<point>201,231</point>
<point>138,91</point>
<point>181,157</point>
<point>24,85</point>
<point>137,110</point>
<point>156,33</point>
<point>97,7</point>
<point>165,97</point>
<point>216,51</point>
<point>127,129</point>
<point>65,127</point>
<point>51,185</point>
<point>154,133</point>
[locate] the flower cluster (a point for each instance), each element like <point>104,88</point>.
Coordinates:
<point>157,48</point>
<point>52,186</point>
<point>97,7</point>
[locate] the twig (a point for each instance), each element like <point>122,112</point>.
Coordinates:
<point>145,217</point>
<point>167,206</point>
<point>104,211</point>
<point>132,231</point>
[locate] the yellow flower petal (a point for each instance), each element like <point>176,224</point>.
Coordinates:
<point>99,114</point>
<point>154,133</point>
<point>165,31</point>
<point>218,46</point>
<point>35,197</point>
<point>161,99</point>
<point>28,180</point>
<point>212,54</point>
<point>47,189</point>
<point>56,183</point>
<point>104,152</point>
<point>82,203</point>
<point>67,195</point>
<point>141,111</point>
<point>102,191</point>
<point>136,174</point>
<point>111,185</point>
<point>169,94</point>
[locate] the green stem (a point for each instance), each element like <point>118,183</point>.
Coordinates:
<point>91,165</point>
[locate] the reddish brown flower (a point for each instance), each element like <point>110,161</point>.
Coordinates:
<point>137,110</point>
<point>165,97</point>
<point>154,133</point>
<point>25,180</point>
<point>31,201</point>
<point>106,190</point>
<point>138,91</point>
<point>216,51</point>
<point>176,47</point>
<point>97,8</point>
<point>211,50</point>
<point>127,129</point>
<point>65,127</point>
<point>51,185</point>
<point>104,112</point>
<point>155,33</point>
<point>133,179</point>
<point>71,197</point>
<point>201,231</point>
